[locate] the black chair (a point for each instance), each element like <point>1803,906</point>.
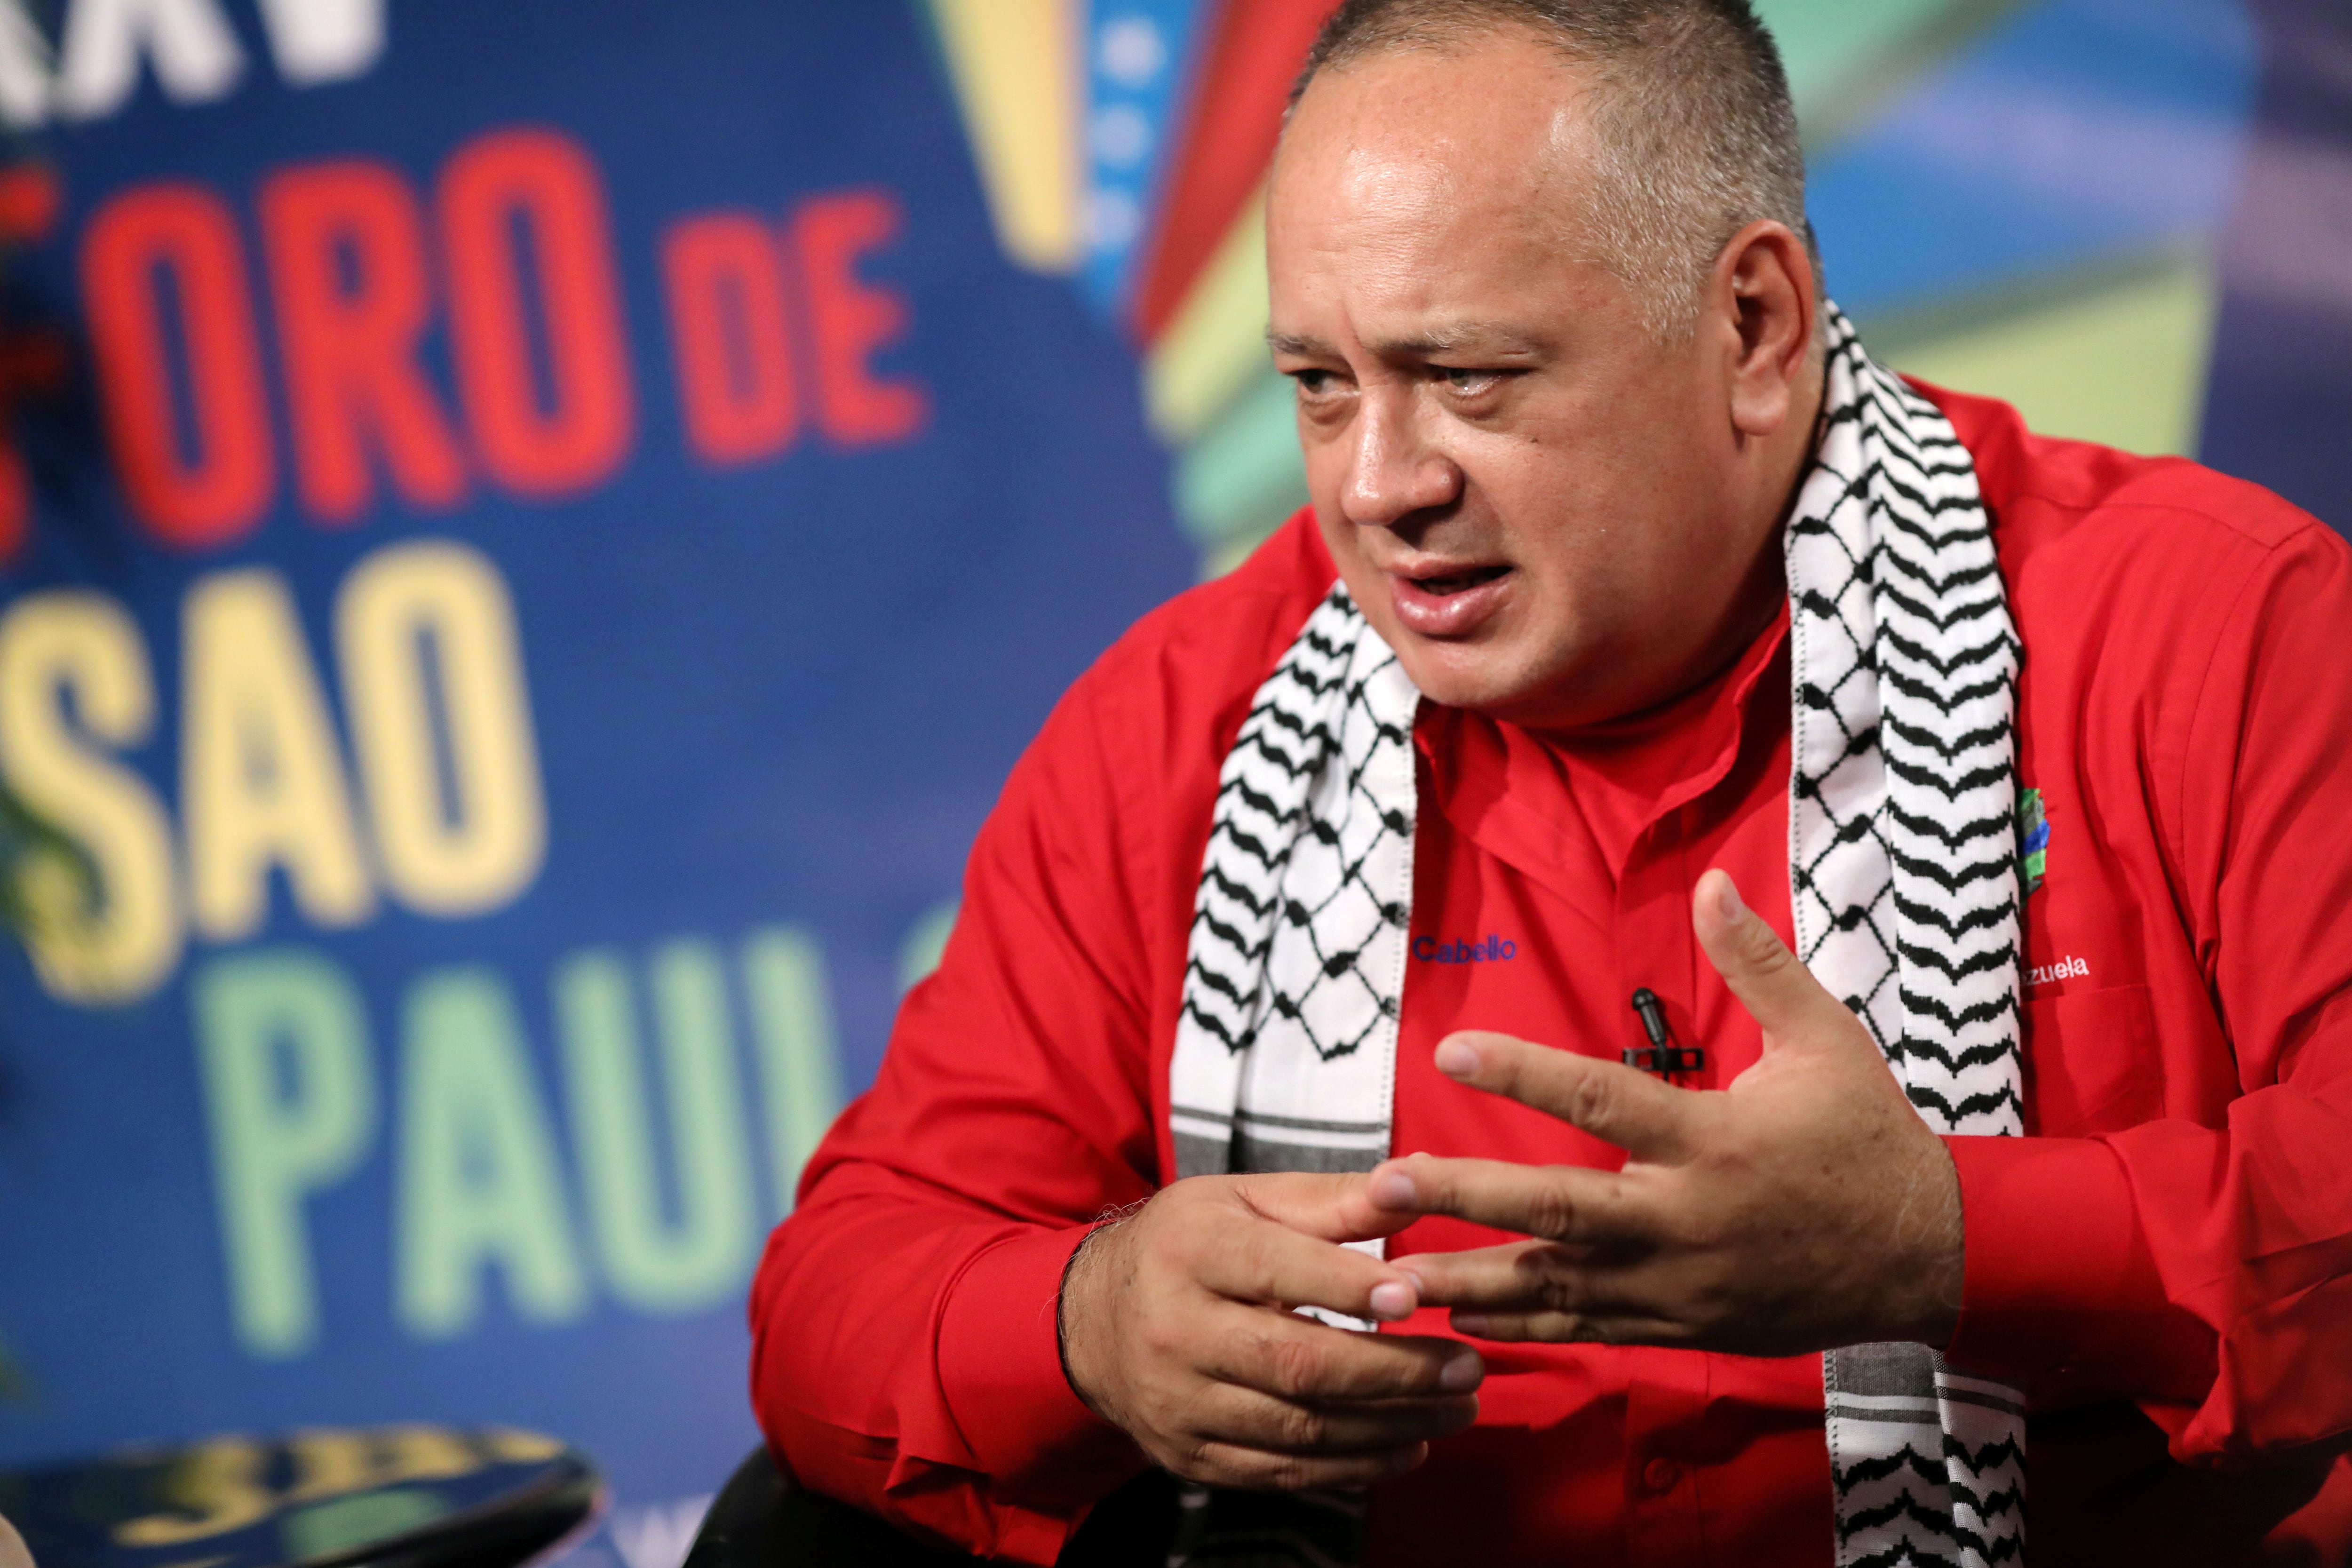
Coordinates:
<point>761,1519</point>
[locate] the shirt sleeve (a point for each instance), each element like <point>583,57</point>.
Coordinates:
<point>904,1349</point>
<point>2205,1266</point>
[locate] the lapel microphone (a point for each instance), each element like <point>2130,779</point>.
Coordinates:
<point>1660,1056</point>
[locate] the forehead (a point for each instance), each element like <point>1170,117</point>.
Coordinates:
<point>1416,180</point>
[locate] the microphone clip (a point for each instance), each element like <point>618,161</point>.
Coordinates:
<point>1660,1056</point>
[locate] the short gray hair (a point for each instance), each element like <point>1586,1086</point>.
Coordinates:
<point>1696,135</point>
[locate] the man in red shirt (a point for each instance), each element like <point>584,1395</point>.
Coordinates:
<point>1567,398</point>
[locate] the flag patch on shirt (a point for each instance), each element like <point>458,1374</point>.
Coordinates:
<point>2033,838</point>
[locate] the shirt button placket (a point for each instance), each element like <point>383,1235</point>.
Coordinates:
<point>1666,1388</point>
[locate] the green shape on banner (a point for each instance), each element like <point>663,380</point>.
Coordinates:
<point>1216,346</point>
<point>289,1097</point>
<point>1237,483</point>
<point>650,1263</point>
<point>478,1182</point>
<point>2115,353</point>
<point>800,1060</point>
<point>367,1519</point>
<point>926,944</point>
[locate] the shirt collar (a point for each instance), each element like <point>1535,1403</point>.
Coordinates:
<point>1563,804</point>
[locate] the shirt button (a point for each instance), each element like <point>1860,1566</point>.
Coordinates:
<point>1660,1474</point>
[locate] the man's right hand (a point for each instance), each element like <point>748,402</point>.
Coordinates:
<point>1177,1327</point>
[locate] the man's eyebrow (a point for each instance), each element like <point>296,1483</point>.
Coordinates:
<point>1466,337</point>
<point>1463,337</point>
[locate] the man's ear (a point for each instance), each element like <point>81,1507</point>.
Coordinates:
<point>1763,290</point>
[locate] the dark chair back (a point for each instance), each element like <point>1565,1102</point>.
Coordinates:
<point>761,1519</point>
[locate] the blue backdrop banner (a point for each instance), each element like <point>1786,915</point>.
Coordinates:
<point>532,535</point>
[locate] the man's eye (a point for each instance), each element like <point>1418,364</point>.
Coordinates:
<point>1312,383</point>
<point>1467,381</point>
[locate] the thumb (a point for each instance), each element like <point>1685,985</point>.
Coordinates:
<point>1779,992</point>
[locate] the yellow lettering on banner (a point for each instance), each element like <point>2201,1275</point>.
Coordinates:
<point>426,631</point>
<point>329,1462</point>
<point>82,649</point>
<point>261,779</point>
<point>507,1445</point>
<point>219,1485</point>
<point>419,1453</point>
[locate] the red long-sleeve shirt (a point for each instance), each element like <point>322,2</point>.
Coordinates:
<point>2164,1262</point>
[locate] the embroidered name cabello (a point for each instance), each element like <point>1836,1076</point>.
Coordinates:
<point>1492,949</point>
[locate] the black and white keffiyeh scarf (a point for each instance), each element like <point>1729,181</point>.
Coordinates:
<point>1902,873</point>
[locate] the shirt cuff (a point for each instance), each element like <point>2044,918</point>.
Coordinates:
<point>2061,1290</point>
<point>1000,1365</point>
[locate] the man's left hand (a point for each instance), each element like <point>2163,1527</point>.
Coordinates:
<point>1805,1207</point>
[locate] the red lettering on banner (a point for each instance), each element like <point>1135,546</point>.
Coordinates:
<point>774,326</point>
<point>851,318</point>
<point>347,263</point>
<point>733,343</point>
<point>579,431</point>
<point>29,199</point>
<point>30,361</point>
<point>181,237</point>
<point>15,501</point>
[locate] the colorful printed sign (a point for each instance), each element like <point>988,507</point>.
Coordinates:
<point>537,531</point>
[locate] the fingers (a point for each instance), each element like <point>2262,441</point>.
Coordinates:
<point>1647,1118</point>
<point>1329,1207</point>
<point>1557,1203</point>
<point>1174,1326</point>
<point>1516,1276</point>
<point>1778,990</point>
<point>1538,1290</point>
<point>1227,1464</point>
<point>1557,1328</point>
<point>1250,1418</point>
<point>1292,1358</point>
<point>1256,1259</point>
<point>1286,1403</point>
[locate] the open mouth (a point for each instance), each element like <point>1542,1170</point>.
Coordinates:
<point>1454,601</point>
<point>1458,582</point>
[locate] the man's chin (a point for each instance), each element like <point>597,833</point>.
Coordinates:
<point>1479,676</point>
<point>1489,670</point>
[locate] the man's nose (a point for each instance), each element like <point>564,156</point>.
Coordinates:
<point>1395,470</point>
